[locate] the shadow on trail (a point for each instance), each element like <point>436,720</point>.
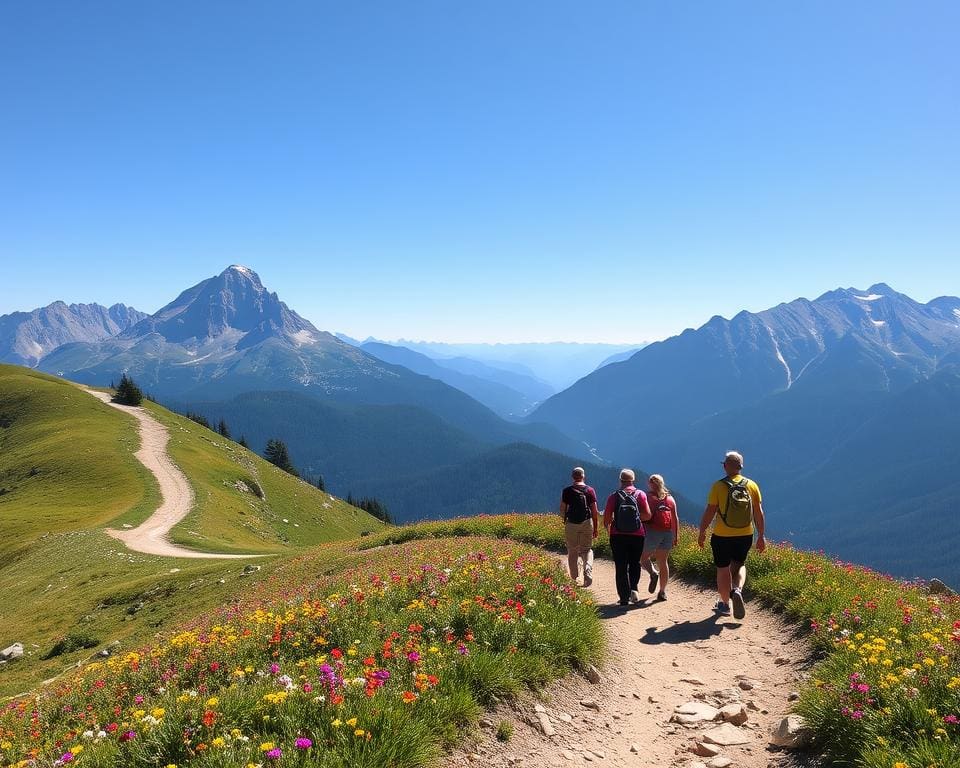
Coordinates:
<point>615,611</point>
<point>687,631</point>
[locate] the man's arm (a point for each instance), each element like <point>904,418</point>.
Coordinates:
<point>608,514</point>
<point>708,514</point>
<point>595,516</point>
<point>759,522</point>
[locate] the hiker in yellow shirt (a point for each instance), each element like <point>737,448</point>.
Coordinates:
<point>736,504</point>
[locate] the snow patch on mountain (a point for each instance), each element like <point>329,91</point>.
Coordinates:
<point>870,297</point>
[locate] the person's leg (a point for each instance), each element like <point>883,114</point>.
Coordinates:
<point>738,574</point>
<point>723,583</point>
<point>720,545</point>
<point>619,550</point>
<point>663,566</point>
<point>573,553</point>
<point>636,553</point>
<point>585,551</point>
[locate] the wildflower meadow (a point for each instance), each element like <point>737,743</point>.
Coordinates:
<point>379,664</point>
<point>381,651</point>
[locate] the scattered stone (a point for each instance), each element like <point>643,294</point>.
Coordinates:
<point>221,581</point>
<point>793,696</point>
<point>675,663</point>
<point>704,750</point>
<point>792,733</point>
<point>734,713</point>
<point>567,754</point>
<point>539,708</point>
<point>564,717</point>
<point>598,753</point>
<point>937,587</point>
<point>691,680</point>
<point>590,704</point>
<point>694,712</point>
<point>248,569</point>
<point>174,570</point>
<point>651,699</point>
<point>727,735</point>
<point>12,652</point>
<point>696,764</point>
<point>752,706</point>
<point>635,748</point>
<point>545,725</point>
<point>720,762</point>
<point>486,722</point>
<point>781,660</point>
<point>592,674</point>
<point>746,684</point>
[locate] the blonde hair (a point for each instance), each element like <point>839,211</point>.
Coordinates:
<point>657,481</point>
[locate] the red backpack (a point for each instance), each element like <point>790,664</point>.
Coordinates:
<point>662,511</point>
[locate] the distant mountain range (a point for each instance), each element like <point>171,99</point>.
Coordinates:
<point>842,406</point>
<point>554,364</point>
<point>27,337</point>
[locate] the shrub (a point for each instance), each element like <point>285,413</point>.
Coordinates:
<point>73,641</point>
<point>128,393</point>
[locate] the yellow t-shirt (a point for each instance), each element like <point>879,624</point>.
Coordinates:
<point>718,496</point>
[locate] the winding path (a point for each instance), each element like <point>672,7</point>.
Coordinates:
<point>152,535</point>
<point>660,655</point>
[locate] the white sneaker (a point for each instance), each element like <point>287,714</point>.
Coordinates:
<point>634,596</point>
<point>587,575</point>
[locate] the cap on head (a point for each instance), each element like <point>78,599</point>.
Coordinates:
<point>732,457</point>
<point>578,473</point>
<point>627,476</point>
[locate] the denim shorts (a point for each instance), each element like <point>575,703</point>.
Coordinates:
<point>657,540</point>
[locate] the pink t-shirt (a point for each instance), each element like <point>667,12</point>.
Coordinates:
<point>611,506</point>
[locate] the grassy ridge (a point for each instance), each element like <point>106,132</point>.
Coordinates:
<point>380,664</point>
<point>64,458</point>
<point>84,587</point>
<point>886,693</point>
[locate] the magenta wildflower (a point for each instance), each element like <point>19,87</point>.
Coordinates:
<point>274,668</point>
<point>413,656</point>
<point>274,754</point>
<point>66,757</point>
<point>303,743</point>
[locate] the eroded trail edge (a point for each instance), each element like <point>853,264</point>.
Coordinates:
<point>152,536</point>
<point>661,656</point>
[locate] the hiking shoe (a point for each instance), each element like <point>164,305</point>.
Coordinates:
<point>652,586</point>
<point>634,596</point>
<point>661,597</point>
<point>722,608</point>
<point>739,609</point>
<point>622,603</point>
<point>587,575</point>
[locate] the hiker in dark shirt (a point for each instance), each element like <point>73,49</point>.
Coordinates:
<point>578,507</point>
<point>623,517</point>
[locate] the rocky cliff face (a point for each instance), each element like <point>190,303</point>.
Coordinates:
<point>27,337</point>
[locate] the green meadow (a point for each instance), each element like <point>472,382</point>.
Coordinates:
<point>67,472</point>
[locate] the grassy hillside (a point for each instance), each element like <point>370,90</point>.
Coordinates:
<point>339,659</point>
<point>67,467</point>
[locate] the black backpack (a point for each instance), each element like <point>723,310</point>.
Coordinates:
<point>578,510</point>
<point>626,516</point>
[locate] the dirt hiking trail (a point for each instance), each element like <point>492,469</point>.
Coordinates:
<point>661,655</point>
<point>152,535</point>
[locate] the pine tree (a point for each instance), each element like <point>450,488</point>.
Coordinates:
<point>242,442</point>
<point>276,453</point>
<point>320,484</point>
<point>128,393</point>
<point>223,429</point>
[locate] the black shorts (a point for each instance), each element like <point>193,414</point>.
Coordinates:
<point>727,549</point>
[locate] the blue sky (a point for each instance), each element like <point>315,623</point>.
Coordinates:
<point>490,171</point>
